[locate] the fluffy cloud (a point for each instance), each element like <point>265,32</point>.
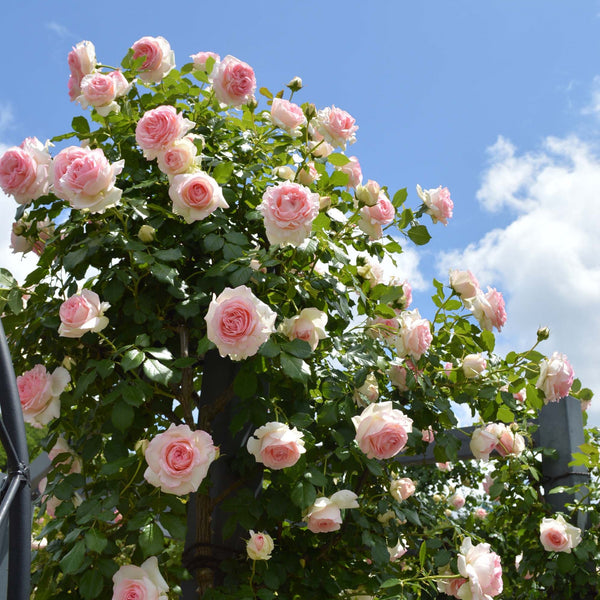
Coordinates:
<point>546,260</point>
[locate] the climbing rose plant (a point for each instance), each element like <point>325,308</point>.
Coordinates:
<point>214,348</point>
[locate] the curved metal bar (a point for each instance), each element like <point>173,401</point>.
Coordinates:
<point>19,546</point>
<point>8,498</point>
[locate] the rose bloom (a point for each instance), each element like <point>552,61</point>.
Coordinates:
<point>439,205</point>
<point>159,128</point>
<point>276,445</point>
<point>336,126</point>
<point>325,514</point>
<point>368,391</point>
<point>473,365</point>
<point>100,91</point>
<point>381,430</point>
<point>159,59</point>
<point>200,59</point>
<point>372,270</point>
<point>354,172</point>
<point>140,583</point>
<point>308,174</point>
<point>233,82</point>
<point>483,570</point>
<point>238,323</point>
<point>556,377</point>
<point>488,309</point>
<point>309,326</point>
<point>86,179</point>
<point>446,467</point>
<point>452,585</point>
<point>374,218</point>
<point>382,328</point>
<point>480,513</point>
<point>368,194</point>
<point>35,242</point>
<point>177,158</point>
<point>557,535</point>
<point>195,196</point>
<point>289,210</point>
<point>398,551</point>
<point>483,442</point>
<point>427,435</point>
<point>509,442</point>
<point>178,459</point>
<point>287,115</point>
<point>464,283</point>
<point>397,375</point>
<point>259,546</point>
<point>457,500</point>
<point>82,62</point>
<point>39,393</point>
<point>25,170</point>
<point>414,337</point>
<point>61,448</point>
<point>402,488</point>
<point>81,313</point>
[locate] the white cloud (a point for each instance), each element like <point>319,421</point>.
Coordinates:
<point>546,261</point>
<point>60,30</point>
<point>6,116</point>
<point>593,107</point>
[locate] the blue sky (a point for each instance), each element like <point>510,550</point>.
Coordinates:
<point>497,100</point>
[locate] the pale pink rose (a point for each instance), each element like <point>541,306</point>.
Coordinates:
<point>36,241</point>
<point>195,196</point>
<point>488,309</point>
<point>482,568</point>
<point>140,583</point>
<point>518,560</point>
<point>86,180</point>
<point>81,313</point>
<point>509,442</point>
<point>320,149</point>
<point>445,467</point>
<point>448,368</point>
<point>308,174</point>
<point>428,435</point>
<point>381,430</point>
<point>457,500</point>
<point>398,551</point>
<point>276,445</point>
<point>368,392</point>
<point>238,323</point>
<point>439,205</point>
<point>39,393</point>
<point>325,514</point>
<point>19,243</point>
<point>402,488</point>
<point>557,535</point>
<point>259,546</point>
<point>100,91</point>
<point>414,337</point>
<point>287,115</point>
<point>371,270</point>
<point>25,170</point>
<point>451,585</point>
<point>374,218</point>
<point>473,365</point>
<point>233,81</point>
<point>159,128</point>
<point>483,442</point>
<point>177,158</point>
<point>369,193</point>
<point>397,375</point>
<point>61,448</point>
<point>284,172</point>
<point>464,283</point>
<point>159,59</point>
<point>488,482</point>
<point>82,61</point>
<point>480,513</point>
<point>178,459</point>
<point>556,377</point>
<point>382,328</point>
<point>200,59</point>
<point>289,210</point>
<point>354,172</point>
<point>336,126</point>
<point>309,326</point>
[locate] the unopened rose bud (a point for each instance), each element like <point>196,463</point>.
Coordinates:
<point>310,111</point>
<point>252,104</point>
<point>324,202</point>
<point>68,363</point>
<point>437,498</point>
<point>295,84</point>
<point>368,194</point>
<point>284,173</point>
<point>543,333</point>
<point>147,234</point>
<point>141,446</point>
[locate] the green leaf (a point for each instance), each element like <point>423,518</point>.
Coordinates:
<point>169,255</point>
<point>91,584</point>
<point>399,197</point>
<point>175,525</point>
<point>339,179</point>
<point>71,260</point>
<point>95,541</point>
<point>385,311</point>
<point>213,242</point>
<point>488,339</point>
<point>266,93</point>
<point>223,171</point>
<point>298,348</point>
<point>151,540</point>
<point>80,125</point>
<point>163,273</point>
<point>422,554</point>
<point>303,494</point>
<point>294,367</point>
<point>389,583</point>
<point>270,349</point>
<point>338,160</point>
<point>132,359</point>
<point>122,415</point>
<point>73,559</point>
<point>419,235</point>
<point>156,371</point>
<point>505,414</point>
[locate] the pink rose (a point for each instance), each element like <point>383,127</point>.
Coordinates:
<point>26,243</point>
<point>397,375</point>
<point>62,448</point>
<point>557,535</point>
<point>178,459</point>
<point>483,442</point>
<point>177,158</point>
<point>309,326</point>
<point>287,115</point>
<point>473,365</point>
<point>488,309</point>
<point>482,568</point>
<point>414,337</point>
<point>402,488</point>
<point>233,81</point>
<point>276,445</point>
<point>398,551</point>
<point>372,270</point>
<point>195,196</point>
<point>159,59</point>
<point>354,172</point>
<point>382,328</point>
<point>308,174</point>
<point>464,283</point>
<point>368,392</point>
<point>100,91</point>
<point>25,170</point>
<point>200,59</point>
<point>325,514</point>
<point>159,128</point>
<point>480,513</point>
<point>39,392</point>
<point>82,61</point>
<point>86,179</point>
<point>445,467</point>
<point>457,500</point>
<point>381,430</point>
<point>488,482</point>
<point>369,193</point>
<point>374,218</point>
<point>238,323</point>
<point>336,126</point>
<point>556,377</point>
<point>259,546</point>
<point>509,442</point>
<point>289,210</point>
<point>452,585</point>
<point>140,583</point>
<point>81,313</point>
<point>438,203</point>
